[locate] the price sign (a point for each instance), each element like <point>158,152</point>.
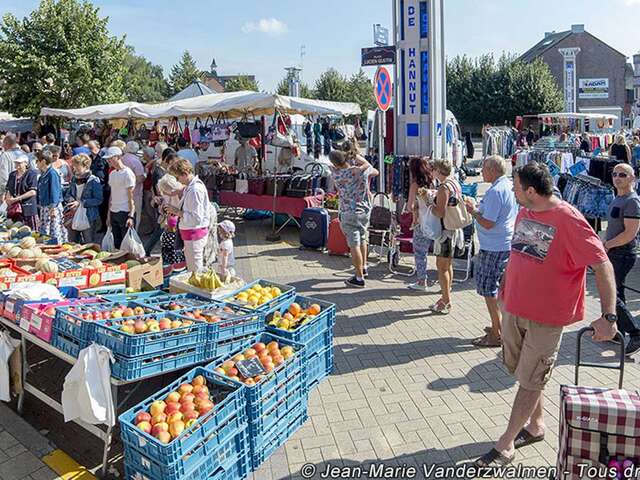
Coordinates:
<point>250,368</point>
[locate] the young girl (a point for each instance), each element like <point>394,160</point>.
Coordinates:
<point>226,258</point>
<point>50,200</point>
<point>170,190</point>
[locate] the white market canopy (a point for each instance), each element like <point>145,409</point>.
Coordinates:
<point>578,116</point>
<point>232,105</point>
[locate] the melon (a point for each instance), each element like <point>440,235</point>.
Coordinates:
<point>50,267</point>
<point>132,263</point>
<point>37,252</point>
<point>26,253</point>
<point>17,225</point>
<point>95,264</point>
<point>102,255</point>
<point>28,242</point>
<point>14,252</point>
<point>90,253</point>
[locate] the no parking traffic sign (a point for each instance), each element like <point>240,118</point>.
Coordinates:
<point>382,89</point>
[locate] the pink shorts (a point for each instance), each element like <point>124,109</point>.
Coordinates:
<point>194,233</point>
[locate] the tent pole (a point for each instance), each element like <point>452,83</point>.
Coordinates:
<point>274,236</point>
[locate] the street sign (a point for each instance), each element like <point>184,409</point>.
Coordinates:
<point>375,56</point>
<point>382,89</point>
<point>380,35</point>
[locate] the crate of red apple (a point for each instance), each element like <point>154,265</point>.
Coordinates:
<point>184,426</point>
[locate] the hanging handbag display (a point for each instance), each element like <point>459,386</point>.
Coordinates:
<point>381,215</point>
<point>143,132</point>
<point>280,185</point>
<point>219,131</point>
<point>248,129</point>
<point>195,132</point>
<point>276,137</point>
<point>300,186</point>
<point>186,134</point>
<point>154,133</point>
<point>257,186</point>
<point>456,215</point>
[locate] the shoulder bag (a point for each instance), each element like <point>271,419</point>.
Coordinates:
<point>456,216</point>
<point>242,183</point>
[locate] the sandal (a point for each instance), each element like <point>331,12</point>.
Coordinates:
<point>488,341</point>
<point>525,438</point>
<point>494,459</point>
<point>440,308</point>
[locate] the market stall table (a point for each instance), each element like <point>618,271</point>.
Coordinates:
<point>103,435</point>
<point>290,206</point>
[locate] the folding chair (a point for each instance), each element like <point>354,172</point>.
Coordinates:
<point>463,259</point>
<point>402,244</point>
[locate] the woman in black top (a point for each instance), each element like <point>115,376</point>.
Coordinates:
<point>585,144</point>
<point>22,188</point>
<point>620,149</point>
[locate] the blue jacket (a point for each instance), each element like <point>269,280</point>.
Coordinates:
<point>92,196</point>
<point>49,188</point>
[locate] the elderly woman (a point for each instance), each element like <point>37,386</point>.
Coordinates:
<point>193,213</point>
<point>21,190</point>
<point>85,190</point>
<point>131,160</point>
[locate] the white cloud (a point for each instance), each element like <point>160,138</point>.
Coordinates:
<point>630,3</point>
<point>270,26</point>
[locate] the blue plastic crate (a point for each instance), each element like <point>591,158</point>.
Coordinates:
<point>205,458</point>
<point>131,297</point>
<point>262,417</point>
<point>69,345</point>
<point>265,444</point>
<point>319,324</point>
<point>227,418</point>
<point>234,321</point>
<point>319,366</point>
<point>287,294</point>
<point>69,319</point>
<point>216,351</point>
<point>187,301</point>
<point>133,345</point>
<point>106,290</point>
<point>136,368</point>
<point>470,189</point>
<point>320,342</point>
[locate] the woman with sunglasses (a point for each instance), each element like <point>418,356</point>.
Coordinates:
<point>623,223</point>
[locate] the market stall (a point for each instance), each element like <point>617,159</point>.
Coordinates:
<point>259,348</point>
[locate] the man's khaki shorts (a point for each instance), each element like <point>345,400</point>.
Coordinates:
<point>529,350</point>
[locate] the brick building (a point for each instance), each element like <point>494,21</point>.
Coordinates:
<point>603,76</point>
<point>216,82</point>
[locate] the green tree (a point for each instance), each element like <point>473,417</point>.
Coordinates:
<point>332,86</point>
<point>283,88</point>
<point>184,73</point>
<point>143,81</point>
<point>360,91</point>
<point>241,83</point>
<point>60,56</point>
<point>483,90</point>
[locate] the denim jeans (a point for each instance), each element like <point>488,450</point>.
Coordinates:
<point>623,261</point>
<point>153,239</point>
<point>421,246</point>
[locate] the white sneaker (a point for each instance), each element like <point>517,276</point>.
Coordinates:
<point>418,287</point>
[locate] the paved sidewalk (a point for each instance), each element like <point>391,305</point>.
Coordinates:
<point>21,449</point>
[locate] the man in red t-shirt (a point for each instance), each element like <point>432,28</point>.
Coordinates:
<point>542,292</point>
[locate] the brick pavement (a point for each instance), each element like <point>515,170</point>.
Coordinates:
<point>408,387</point>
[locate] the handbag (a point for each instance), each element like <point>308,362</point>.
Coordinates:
<point>248,129</point>
<point>381,215</point>
<point>279,185</point>
<point>219,131</point>
<point>195,132</point>
<point>257,186</point>
<point>228,182</point>
<point>456,216</point>
<point>14,212</point>
<point>300,186</point>
<point>277,138</point>
<point>186,134</point>
<point>242,183</point>
<point>430,224</point>
<point>154,133</point>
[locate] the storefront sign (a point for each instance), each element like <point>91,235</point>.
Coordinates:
<point>569,55</point>
<point>375,56</point>
<point>380,35</point>
<point>410,67</point>
<point>593,88</point>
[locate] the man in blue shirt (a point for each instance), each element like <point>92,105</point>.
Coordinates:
<point>81,145</point>
<point>495,217</point>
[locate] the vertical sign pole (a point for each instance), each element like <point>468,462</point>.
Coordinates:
<point>443,89</point>
<point>570,78</point>
<point>381,149</point>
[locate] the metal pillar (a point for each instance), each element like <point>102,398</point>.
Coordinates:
<point>570,78</point>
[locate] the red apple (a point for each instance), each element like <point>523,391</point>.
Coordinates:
<point>164,437</point>
<point>172,408</point>
<point>159,427</point>
<point>187,398</point>
<point>176,428</point>
<point>221,371</point>
<point>185,388</point>
<point>232,372</point>
<point>144,426</point>
<point>164,324</point>
<point>175,417</point>
<point>190,415</point>
<point>187,407</point>
<point>199,380</point>
<point>259,347</point>
<point>201,388</point>
<point>160,418</point>
<point>173,397</point>
<point>227,365</point>
<point>157,407</point>
<point>142,417</point>
<point>205,407</point>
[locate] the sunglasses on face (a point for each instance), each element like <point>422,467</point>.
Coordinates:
<point>619,175</point>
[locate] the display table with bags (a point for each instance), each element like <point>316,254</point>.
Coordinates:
<point>289,206</point>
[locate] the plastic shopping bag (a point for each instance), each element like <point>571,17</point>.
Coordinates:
<point>429,223</point>
<point>86,393</point>
<point>108,243</point>
<point>80,220</point>
<point>132,244</point>
<point>7,347</point>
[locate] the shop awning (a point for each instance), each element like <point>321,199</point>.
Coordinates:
<point>232,105</point>
<point>578,116</point>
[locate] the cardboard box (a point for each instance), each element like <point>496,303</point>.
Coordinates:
<point>70,278</point>
<point>146,276</point>
<point>108,274</point>
<point>7,281</point>
<point>36,320</point>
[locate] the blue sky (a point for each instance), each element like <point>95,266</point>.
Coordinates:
<point>262,37</point>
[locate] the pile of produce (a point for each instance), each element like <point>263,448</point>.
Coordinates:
<point>140,326</point>
<point>256,295</point>
<point>168,418</point>
<point>294,317</point>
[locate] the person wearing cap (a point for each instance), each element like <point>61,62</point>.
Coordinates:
<point>11,151</point>
<point>226,258</point>
<point>131,160</point>
<point>21,189</point>
<point>50,199</point>
<point>122,182</point>
<point>194,213</point>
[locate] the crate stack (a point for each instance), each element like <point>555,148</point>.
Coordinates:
<point>316,335</point>
<point>277,406</point>
<point>215,447</point>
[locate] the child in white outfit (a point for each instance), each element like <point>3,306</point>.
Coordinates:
<point>226,258</point>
